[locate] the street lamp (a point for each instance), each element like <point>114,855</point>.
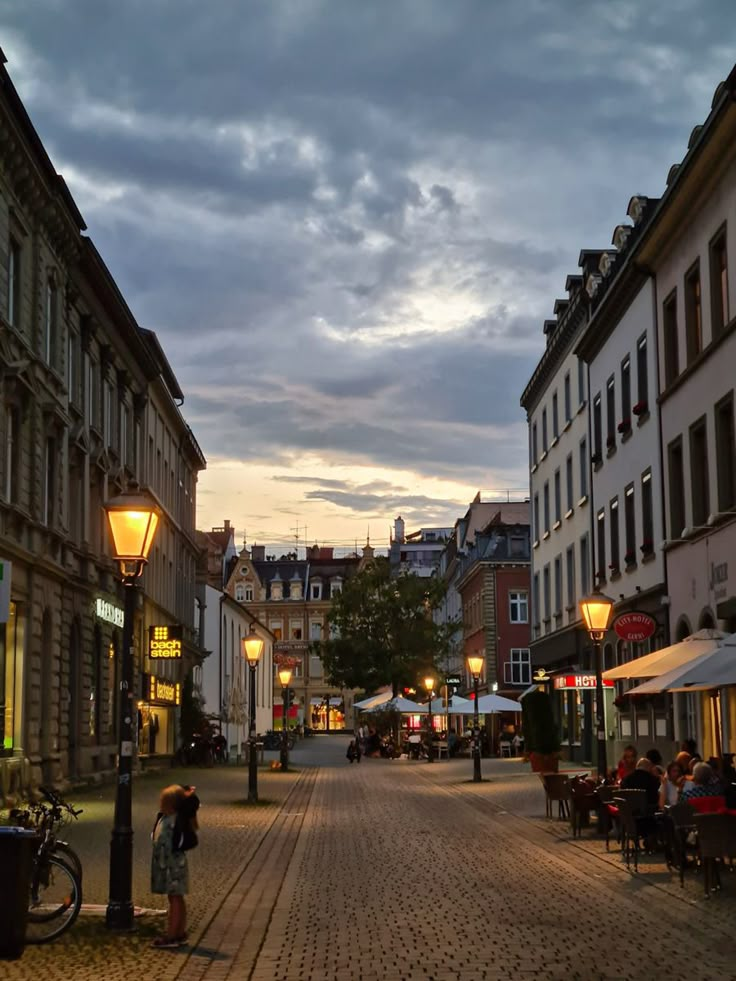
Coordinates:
<point>252,651</point>
<point>285,678</point>
<point>133,519</point>
<point>475,666</point>
<point>596,610</point>
<point>429,685</point>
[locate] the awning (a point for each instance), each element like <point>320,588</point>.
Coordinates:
<point>529,690</point>
<point>668,658</point>
<point>368,703</point>
<point>709,671</point>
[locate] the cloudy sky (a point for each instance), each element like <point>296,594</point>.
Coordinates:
<point>347,219</point>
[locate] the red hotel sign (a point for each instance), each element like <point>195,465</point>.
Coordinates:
<point>634,626</point>
<point>565,681</point>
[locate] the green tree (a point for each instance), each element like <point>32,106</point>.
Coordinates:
<point>382,632</point>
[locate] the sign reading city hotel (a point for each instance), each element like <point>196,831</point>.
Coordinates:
<point>164,643</point>
<point>634,627</point>
<point>160,690</point>
<point>563,682</point>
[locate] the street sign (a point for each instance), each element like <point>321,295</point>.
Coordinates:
<point>6,570</point>
<point>453,679</point>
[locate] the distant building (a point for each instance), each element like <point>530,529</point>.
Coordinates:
<point>418,553</point>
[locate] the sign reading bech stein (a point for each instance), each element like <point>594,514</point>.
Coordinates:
<point>164,643</point>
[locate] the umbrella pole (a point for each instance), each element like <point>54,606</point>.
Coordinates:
<point>717,722</point>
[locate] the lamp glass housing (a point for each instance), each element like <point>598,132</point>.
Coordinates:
<point>475,665</point>
<point>429,683</point>
<point>252,649</point>
<point>596,611</point>
<point>133,521</point>
<point>284,677</point>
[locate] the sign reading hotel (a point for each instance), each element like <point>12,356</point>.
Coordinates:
<point>163,691</point>
<point>564,682</point>
<point>164,643</point>
<point>634,626</point>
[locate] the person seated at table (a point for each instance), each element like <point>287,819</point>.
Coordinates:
<point>703,784</point>
<point>627,763</point>
<point>689,746</point>
<point>642,778</point>
<point>671,786</point>
<point>655,758</point>
<point>728,771</point>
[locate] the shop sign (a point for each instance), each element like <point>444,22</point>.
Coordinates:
<point>563,682</point>
<point>540,676</point>
<point>6,570</point>
<point>291,645</point>
<point>164,642</point>
<point>453,679</point>
<point>285,661</point>
<point>109,612</point>
<point>161,690</point>
<point>634,626</point>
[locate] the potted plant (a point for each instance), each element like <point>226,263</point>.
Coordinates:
<point>541,736</point>
<point>624,426</point>
<point>630,557</point>
<point>647,546</point>
<point>595,459</point>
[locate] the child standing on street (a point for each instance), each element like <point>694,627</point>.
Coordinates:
<point>169,871</point>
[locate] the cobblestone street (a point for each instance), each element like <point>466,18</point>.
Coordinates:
<point>393,870</point>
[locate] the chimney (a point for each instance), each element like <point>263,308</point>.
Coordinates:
<point>326,553</point>
<point>258,553</point>
<point>399,530</point>
<point>227,524</point>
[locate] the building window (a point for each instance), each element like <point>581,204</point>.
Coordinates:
<point>316,590</point>
<point>49,483</point>
<point>718,283</point>
<point>699,472</point>
<point>72,367</point>
<point>544,430</point>
<point>534,444</point>
<point>535,600</point>
<point>14,283</point>
<point>248,594</point>
<point>725,454</point>
<point>11,454</point>
<point>546,506</point>
<point>569,482</point>
<point>625,394</point>
<point>584,464</point>
<point>570,562</point>
<point>547,592</point>
<point>642,378</point>
<point>520,666</point>
<point>107,409</point>
<point>584,565</point>
<point>597,429</point>
<point>611,413</point>
<point>669,328</point>
<point>50,322</point>
<point>537,535</point>
<point>693,314</point>
<point>676,469</point>
<point>335,588</point>
<point>240,592</point>
<point>558,585</point>
<point>124,436</point>
<point>315,630</point>
<point>615,552</point>
<point>519,606</point>
<point>568,398</point>
<point>276,629</point>
<point>582,394</point>
<point>296,631</point>
<point>630,525</point>
<point>647,516</point>
<point>555,417</point>
<point>558,496</point>
<point>601,546</point>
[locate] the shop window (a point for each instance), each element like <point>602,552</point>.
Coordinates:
<point>9,690</point>
<point>718,283</point>
<point>693,314</point>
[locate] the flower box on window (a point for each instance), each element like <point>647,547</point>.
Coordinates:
<point>647,546</point>
<point>596,459</point>
<point>611,442</point>
<point>630,558</point>
<point>624,426</point>
<point>640,408</point>
<point>614,569</point>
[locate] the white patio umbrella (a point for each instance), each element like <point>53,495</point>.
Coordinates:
<point>399,704</point>
<point>714,670</point>
<point>373,700</point>
<point>668,658</point>
<point>490,704</point>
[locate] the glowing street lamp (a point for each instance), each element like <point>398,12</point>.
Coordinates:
<point>429,685</point>
<point>133,519</point>
<point>596,611</point>
<point>252,651</point>
<point>284,678</point>
<point>475,666</point>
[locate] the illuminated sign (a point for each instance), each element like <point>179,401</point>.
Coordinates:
<point>109,612</point>
<point>565,681</point>
<point>160,690</point>
<point>164,643</point>
<point>635,626</point>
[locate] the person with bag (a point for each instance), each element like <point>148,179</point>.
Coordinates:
<point>174,833</point>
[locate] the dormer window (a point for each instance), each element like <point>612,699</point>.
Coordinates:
<point>295,590</point>
<point>248,594</point>
<point>277,590</point>
<point>335,587</point>
<point>240,592</point>
<point>315,590</point>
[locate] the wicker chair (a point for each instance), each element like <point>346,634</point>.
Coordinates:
<point>608,812</point>
<point>557,788</point>
<point>630,808</point>
<point>680,819</point>
<point>583,800</point>
<point>716,840</point>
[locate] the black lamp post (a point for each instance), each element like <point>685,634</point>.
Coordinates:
<point>596,610</point>
<point>285,678</point>
<point>429,685</point>
<point>133,520</point>
<point>252,651</point>
<point>475,665</point>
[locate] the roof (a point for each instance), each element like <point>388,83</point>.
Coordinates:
<point>511,513</point>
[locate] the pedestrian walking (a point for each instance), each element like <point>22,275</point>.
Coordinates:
<point>173,834</point>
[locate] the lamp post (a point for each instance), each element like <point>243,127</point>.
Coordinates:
<point>429,685</point>
<point>252,651</point>
<point>475,666</point>
<point>133,520</point>
<point>596,610</point>
<point>285,678</point>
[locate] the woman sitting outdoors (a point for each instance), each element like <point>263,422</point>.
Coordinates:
<point>671,788</point>
<point>704,783</point>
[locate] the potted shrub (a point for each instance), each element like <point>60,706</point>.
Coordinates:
<point>541,737</point>
<point>624,426</point>
<point>647,546</point>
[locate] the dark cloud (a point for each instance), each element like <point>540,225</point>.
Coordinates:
<point>347,221</point>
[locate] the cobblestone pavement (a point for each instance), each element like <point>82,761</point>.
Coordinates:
<point>398,870</point>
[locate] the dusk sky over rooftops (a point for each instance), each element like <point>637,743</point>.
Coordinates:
<point>347,221</point>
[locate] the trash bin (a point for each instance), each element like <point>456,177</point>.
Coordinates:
<point>17,847</point>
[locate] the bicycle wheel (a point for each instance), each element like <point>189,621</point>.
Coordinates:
<point>55,901</point>
<point>67,854</point>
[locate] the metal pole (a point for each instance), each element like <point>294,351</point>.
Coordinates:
<point>284,733</point>
<point>600,725</point>
<point>119,915</point>
<point>476,733</point>
<point>252,760</point>
<point>430,747</point>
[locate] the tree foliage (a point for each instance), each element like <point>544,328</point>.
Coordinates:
<point>382,631</point>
